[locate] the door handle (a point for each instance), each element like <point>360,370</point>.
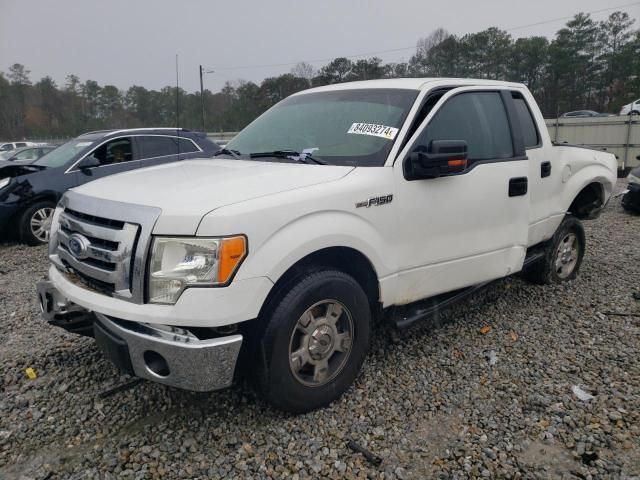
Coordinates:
<point>518,186</point>
<point>545,169</point>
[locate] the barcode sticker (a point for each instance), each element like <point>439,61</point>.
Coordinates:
<point>374,130</point>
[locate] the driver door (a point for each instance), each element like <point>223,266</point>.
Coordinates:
<point>464,228</point>
<point>109,158</point>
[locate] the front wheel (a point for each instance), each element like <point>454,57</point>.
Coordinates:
<point>35,223</point>
<point>315,341</point>
<point>563,255</point>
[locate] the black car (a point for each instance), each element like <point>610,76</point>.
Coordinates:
<point>29,193</point>
<point>631,199</point>
<point>24,156</point>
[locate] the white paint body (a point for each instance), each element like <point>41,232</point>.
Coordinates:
<point>630,107</point>
<point>435,236</point>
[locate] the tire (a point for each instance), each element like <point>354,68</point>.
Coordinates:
<point>563,255</point>
<point>315,340</point>
<point>628,205</point>
<point>35,223</point>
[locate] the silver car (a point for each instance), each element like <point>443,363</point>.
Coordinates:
<point>24,156</point>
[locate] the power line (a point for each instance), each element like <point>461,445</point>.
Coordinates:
<point>571,16</point>
<point>401,49</point>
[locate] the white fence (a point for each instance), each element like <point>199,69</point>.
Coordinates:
<point>221,137</point>
<point>618,135</point>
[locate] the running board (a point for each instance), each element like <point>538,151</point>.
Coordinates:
<point>405,316</point>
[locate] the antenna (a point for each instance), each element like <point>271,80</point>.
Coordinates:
<point>177,107</point>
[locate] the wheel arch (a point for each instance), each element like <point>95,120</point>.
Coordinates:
<point>345,259</point>
<point>589,201</point>
<point>26,204</point>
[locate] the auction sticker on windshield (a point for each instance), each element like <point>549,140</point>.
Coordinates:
<point>374,130</point>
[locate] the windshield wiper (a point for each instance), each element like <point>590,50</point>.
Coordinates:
<point>227,151</point>
<point>292,154</point>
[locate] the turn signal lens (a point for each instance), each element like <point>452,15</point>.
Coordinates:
<point>457,163</point>
<point>232,252</point>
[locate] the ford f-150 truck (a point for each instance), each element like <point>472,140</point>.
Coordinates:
<point>338,206</point>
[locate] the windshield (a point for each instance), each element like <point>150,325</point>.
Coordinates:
<point>343,127</point>
<point>63,154</point>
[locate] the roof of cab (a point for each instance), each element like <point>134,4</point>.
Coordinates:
<point>412,84</point>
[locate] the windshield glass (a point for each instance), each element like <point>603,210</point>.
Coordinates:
<point>343,127</point>
<point>64,153</point>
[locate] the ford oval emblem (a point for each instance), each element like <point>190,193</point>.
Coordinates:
<point>79,246</point>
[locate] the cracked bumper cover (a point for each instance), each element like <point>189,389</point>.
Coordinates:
<point>169,355</point>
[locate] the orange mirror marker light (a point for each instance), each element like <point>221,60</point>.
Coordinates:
<point>457,163</point>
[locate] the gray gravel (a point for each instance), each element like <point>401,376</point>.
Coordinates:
<point>440,401</point>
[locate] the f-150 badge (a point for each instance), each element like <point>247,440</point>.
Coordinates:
<point>375,201</point>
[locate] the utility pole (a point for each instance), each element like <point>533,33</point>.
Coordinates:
<point>202,72</point>
<point>177,96</point>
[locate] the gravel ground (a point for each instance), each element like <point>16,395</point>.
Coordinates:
<point>443,400</point>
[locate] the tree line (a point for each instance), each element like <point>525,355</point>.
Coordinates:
<point>587,65</point>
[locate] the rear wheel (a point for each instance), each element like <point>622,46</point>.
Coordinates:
<point>628,203</point>
<point>315,341</point>
<point>35,223</point>
<point>563,255</point>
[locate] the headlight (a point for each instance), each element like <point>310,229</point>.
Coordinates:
<point>4,182</point>
<point>178,263</point>
<point>630,178</point>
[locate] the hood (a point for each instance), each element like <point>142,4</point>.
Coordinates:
<point>188,190</point>
<point>14,169</point>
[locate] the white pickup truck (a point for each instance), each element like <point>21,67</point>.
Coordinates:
<point>331,208</point>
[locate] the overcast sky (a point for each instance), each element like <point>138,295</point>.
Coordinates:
<point>127,42</point>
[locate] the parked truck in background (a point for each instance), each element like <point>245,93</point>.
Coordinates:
<point>331,208</point>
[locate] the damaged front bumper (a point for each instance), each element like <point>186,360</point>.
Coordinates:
<point>60,312</point>
<point>170,355</point>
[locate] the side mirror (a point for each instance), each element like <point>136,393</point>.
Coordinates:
<point>89,162</point>
<point>441,158</point>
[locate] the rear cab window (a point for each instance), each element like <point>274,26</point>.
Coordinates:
<point>530,134</point>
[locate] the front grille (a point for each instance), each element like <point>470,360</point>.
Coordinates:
<point>106,260</point>
<point>115,238</point>
<point>105,222</point>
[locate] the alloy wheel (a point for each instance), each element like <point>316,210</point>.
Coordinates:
<point>567,255</point>
<point>41,223</point>
<point>320,343</point>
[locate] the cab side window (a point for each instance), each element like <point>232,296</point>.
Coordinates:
<point>113,152</point>
<point>527,123</point>
<point>160,146</point>
<point>478,118</point>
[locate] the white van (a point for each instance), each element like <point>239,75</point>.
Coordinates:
<point>632,108</point>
